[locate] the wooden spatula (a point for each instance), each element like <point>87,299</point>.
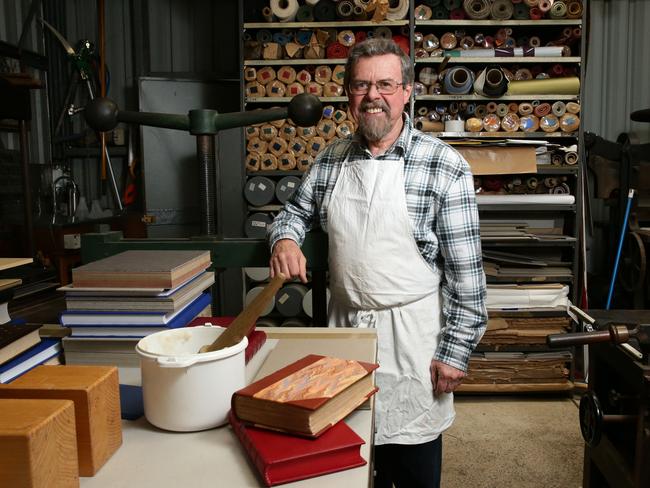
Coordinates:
<point>245,321</point>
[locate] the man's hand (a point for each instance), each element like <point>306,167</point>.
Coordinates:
<point>445,378</point>
<point>288,259</point>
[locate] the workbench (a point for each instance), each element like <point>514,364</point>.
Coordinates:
<point>151,457</point>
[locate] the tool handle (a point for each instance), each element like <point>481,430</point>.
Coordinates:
<point>245,321</point>
<point>616,334</point>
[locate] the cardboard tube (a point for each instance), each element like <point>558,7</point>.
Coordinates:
<point>551,86</point>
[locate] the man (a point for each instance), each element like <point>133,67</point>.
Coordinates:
<point>404,257</point>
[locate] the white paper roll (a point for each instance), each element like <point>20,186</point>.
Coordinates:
<point>455,126</point>
<point>257,274</point>
<point>284,10</point>
<point>252,293</point>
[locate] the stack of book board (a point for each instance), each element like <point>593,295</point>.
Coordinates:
<point>21,347</point>
<point>291,422</point>
<point>114,302</point>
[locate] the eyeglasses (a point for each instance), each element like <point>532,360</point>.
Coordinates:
<point>384,87</point>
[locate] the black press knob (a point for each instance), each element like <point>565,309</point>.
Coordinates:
<point>101,114</point>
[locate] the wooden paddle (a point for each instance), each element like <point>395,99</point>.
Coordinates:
<point>245,321</point>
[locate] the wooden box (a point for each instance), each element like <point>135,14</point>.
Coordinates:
<point>96,396</point>
<point>38,447</point>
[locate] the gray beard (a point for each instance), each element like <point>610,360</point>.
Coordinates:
<point>377,129</point>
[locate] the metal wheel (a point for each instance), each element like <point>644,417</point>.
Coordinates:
<point>633,263</point>
<point>591,419</point>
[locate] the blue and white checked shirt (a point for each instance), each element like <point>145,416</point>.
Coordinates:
<point>441,205</point>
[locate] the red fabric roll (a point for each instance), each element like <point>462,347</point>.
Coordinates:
<point>402,42</point>
<point>336,50</point>
<point>360,36</point>
<point>557,70</point>
<point>457,14</point>
<point>542,109</point>
<point>535,13</point>
<point>492,183</point>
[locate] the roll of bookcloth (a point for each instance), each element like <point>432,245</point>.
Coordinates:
<point>303,163</point>
<point>544,5</point>
<point>294,89</point>
<point>569,122</point>
<point>336,50</point>
<point>383,32</point>
<point>513,107</point>
<point>286,161</point>
<point>571,158</point>
<point>325,11</point>
<point>326,129</point>
<point>265,75</point>
<point>250,74</point>
<point>338,74</point>
<point>558,10</point>
<point>323,74</point>
<point>278,146</point>
<point>502,109</point>
<point>457,14</point>
<point>264,35</point>
<point>303,36</point>
<point>359,13</point>
<point>297,146</point>
<point>502,10</point>
<point>471,108</point>
<point>287,132</point>
<point>429,126</point>
<point>253,161</point>
<point>474,124</point>
<point>284,10</point>
<point>315,145</point>
<point>331,89</point>
<point>423,12</point>
<point>281,38</point>
<point>267,13</point>
<point>419,88</point>
<point>305,14</point>
<point>492,122</point>
<point>440,12</point>
<point>339,116</point>
<point>496,83</point>
<point>535,13</point>
<point>430,42</point>
<point>573,107</point>
<point>574,9</point>
<point>268,132</point>
<point>269,162</point>
<point>344,9</point>
<point>306,132</point>
<point>491,107</point>
<point>510,122</point>
<point>399,11</point>
<point>303,76</point>
<point>432,3</point>
<point>480,111</point>
<point>477,9</point>
<point>314,88</point>
<point>525,108</point>
<point>549,123</point>
<point>360,36</point>
<point>286,74</point>
<point>542,109</point>
<point>458,80</point>
<point>255,144</point>
<point>346,38</point>
<point>427,76</point>
<point>557,159</point>
<point>528,123</point>
<point>448,40</point>
<point>520,11</point>
<point>559,108</point>
<point>328,111</point>
<point>251,131</point>
<point>344,129</point>
<point>276,89</point>
<point>402,42</point>
<point>531,3</point>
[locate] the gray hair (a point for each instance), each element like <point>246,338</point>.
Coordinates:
<point>378,46</point>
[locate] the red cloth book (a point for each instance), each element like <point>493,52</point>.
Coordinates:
<point>256,338</point>
<point>283,458</point>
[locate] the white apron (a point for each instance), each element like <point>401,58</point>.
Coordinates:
<point>378,278</point>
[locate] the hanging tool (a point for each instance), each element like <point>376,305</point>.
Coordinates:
<point>81,60</point>
<point>630,197</point>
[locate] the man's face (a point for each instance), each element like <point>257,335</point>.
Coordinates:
<point>378,115</point>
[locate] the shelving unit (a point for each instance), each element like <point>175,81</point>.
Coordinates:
<point>569,214</point>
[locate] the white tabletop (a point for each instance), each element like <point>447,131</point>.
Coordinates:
<point>151,457</point>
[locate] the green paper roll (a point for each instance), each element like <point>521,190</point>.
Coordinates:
<point>552,86</point>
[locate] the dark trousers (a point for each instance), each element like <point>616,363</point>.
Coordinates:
<point>408,466</point>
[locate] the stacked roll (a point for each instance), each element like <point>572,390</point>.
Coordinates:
<point>502,43</point>
<point>323,43</point>
<point>532,116</point>
<point>522,185</point>
<point>281,145</point>
<point>286,81</point>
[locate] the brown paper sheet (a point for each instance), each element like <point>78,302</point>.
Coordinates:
<point>499,160</point>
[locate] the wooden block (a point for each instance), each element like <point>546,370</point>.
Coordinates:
<point>96,396</point>
<point>38,447</point>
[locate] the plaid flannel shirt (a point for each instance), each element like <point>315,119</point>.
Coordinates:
<point>442,208</point>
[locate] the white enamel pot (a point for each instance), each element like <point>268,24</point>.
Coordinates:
<point>184,390</point>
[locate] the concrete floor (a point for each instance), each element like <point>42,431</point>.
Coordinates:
<point>509,442</point>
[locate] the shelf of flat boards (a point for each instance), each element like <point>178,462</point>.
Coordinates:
<point>439,98</point>
<point>300,61</point>
<point>312,25</point>
<point>549,169</point>
<point>288,99</point>
<point>506,135</point>
<point>530,207</point>
<point>517,348</point>
<point>499,23</point>
<point>500,59</point>
<point>491,242</point>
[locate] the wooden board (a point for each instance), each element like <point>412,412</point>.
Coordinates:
<point>7,263</point>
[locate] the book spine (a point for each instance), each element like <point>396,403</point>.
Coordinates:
<point>249,447</point>
<point>255,341</point>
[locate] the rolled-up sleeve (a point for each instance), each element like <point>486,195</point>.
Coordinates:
<point>463,286</point>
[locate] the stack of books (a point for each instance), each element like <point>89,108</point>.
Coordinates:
<point>291,422</point>
<point>21,347</point>
<point>114,302</point>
